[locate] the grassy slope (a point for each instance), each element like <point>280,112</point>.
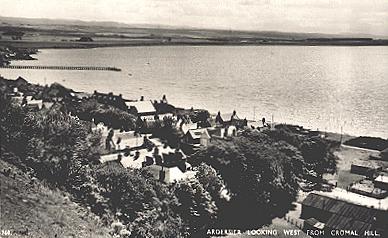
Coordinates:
<point>37,211</point>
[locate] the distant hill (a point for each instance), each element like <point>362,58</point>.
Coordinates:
<point>164,30</point>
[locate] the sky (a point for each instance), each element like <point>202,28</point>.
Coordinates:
<point>322,16</point>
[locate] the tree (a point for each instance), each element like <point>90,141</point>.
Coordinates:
<point>258,172</point>
<point>197,208</point>
<point>166,130</point>
<point>148,206</point>
<point>212,183</point>
<point>54,140</point>
<point>4,61</point>
<point>317,152</point>
<point>109,115</point>
<point>11,121</point>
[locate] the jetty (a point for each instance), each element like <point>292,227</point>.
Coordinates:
<point>99,68</point>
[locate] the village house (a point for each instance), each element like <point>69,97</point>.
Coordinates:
<point>110,99</point>
<point>80,96</point>
<point>117,139</point>
<point>28,101</point>
<point>164,163</point>
<point>197,137</point>
<point>231,122</point>
<point>226,119</point>
<point>217,132</point>
<point>333,214</point>
<point>144,109</point>
<point>31,102</point>
<point>163,107</point>
<point>169,166</point>
<point>170,174</point>
<point>127,139</point>
<point>184,126</point>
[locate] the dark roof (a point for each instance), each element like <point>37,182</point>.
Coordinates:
<point>345,216</point>
<point>311,221</point>
<point>109,96</point>
<point>347,223</point>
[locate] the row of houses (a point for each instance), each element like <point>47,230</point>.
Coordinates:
<point>146,109</point>
<point>29,101</point>
<point>138,151</point>
<point>135,150</point>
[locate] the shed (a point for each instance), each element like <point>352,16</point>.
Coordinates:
<point>366,169</point>
<point>341,215</point>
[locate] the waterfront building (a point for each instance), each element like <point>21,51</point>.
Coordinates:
<point>229,119</point>
<point>110,99</point>
<point>80,96</point>
<point>143,109</point>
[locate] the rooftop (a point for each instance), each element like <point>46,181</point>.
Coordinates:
<point>382,179</point>
<point>197,133</point>
<point>357,199</point>
<point>340,208</point>
<point>142,106</point>
<point>172,174</point>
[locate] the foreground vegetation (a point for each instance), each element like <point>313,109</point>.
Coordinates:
<point>241,183</point>
<point>29,208</point>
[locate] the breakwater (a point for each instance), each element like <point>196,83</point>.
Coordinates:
<point>99,68</point>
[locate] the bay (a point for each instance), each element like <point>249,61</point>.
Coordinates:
<point>319,87</point>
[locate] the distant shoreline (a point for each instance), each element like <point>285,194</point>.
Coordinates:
<point>122,43</point>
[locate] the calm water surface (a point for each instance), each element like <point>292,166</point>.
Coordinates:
<point>318,87</point>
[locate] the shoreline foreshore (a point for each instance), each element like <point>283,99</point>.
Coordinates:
<point>211,42</point>
<point>362,142</point>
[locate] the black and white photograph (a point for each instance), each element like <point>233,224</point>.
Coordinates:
<point>193,118</point>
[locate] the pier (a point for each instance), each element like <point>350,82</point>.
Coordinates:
<point>99,68</point>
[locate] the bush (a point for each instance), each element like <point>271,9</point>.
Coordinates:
<point>258,172</point>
